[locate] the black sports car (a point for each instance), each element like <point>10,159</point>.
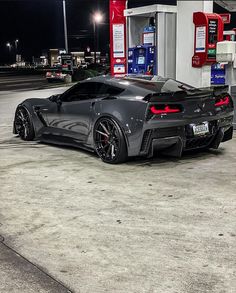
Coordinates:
<point>124,117</point>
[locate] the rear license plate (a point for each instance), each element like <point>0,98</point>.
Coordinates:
<point>201,129</point>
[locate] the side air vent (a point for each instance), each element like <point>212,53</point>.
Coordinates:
<point>146,140</point>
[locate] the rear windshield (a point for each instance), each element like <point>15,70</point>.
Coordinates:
<point>164,85</point>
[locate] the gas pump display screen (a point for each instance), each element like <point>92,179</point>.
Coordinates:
<point>141,60</point>
<point>212,38</point>
<point>213,29</point>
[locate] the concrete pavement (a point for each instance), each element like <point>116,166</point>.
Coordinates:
<point>153,226</point>
<point>18,275</point>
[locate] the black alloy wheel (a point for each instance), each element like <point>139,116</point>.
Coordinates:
<point>109,141</point>
<point>23,124</point>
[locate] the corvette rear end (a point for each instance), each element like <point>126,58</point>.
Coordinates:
<point>186,120</point>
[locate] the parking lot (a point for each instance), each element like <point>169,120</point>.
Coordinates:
<point>162,225</point>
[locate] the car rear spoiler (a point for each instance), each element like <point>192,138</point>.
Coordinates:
<point>219,89</point>
<point>190,94</point>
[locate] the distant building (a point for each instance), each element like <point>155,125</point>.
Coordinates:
<point>52,57</point>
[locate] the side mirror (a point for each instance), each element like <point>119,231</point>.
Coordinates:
<point>55,98</point>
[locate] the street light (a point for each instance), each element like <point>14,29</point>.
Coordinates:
<point>97,18</point>
<point>16,44</point>
<point>65,26</point>
<point>9,46</point>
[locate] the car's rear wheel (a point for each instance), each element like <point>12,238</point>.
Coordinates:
<point>23,124</point>
<point>109,141</point>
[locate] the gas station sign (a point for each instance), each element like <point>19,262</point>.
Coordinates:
<point>226,17</point>
<point>212,38</point>
<point>201,39</point>
<point>209,29</point>
<point>118,40</point>
<point>149,36</point>
<point>118,37</point>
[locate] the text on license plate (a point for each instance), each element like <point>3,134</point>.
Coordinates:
<point>201,129</point>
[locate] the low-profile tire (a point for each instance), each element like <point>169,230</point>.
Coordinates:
<point>23,124</point>
<point>109,141</point>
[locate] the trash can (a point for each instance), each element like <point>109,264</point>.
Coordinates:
<point>68,78</point>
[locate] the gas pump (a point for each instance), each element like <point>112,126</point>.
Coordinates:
<point>130,60</point>
<point>143,60</point>
<point>226,53</point>
<point>230,35</point>
<point>218,70</point>
<point>208,31</point>
<point>218,74</point>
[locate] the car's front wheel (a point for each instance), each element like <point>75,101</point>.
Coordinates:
<point>23,124</point>
<point>109,141</point>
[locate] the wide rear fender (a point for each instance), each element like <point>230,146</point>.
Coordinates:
<point>130,116</point>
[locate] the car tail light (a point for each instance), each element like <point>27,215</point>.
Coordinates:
<point>165,109</point>
<point>58,74</point>
<point>222,101</point>
<point>48,74</point>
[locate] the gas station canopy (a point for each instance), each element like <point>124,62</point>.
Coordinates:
<point>150,10</point>
<point>229,5</point>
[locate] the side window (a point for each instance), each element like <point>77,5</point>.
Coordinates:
<point>82,91</point>
<point>110,90</point>
<point>72,93</point>
<point>93,89</point>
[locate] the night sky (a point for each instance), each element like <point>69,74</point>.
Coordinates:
<point>38,24</point>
